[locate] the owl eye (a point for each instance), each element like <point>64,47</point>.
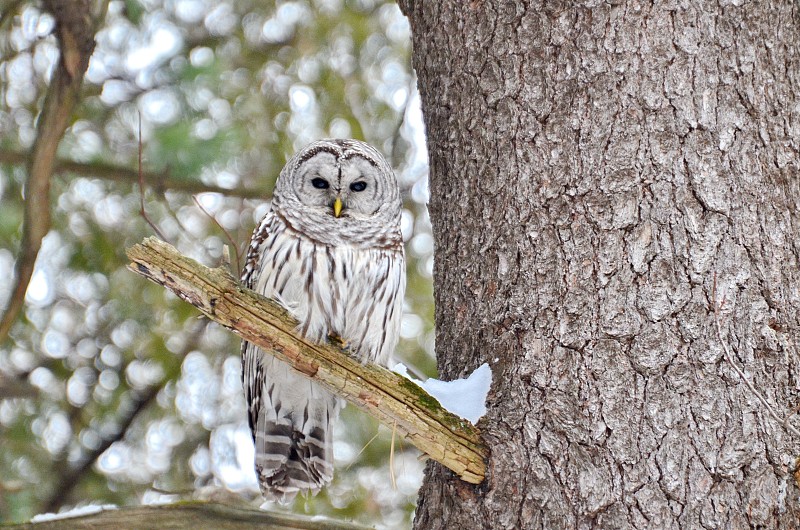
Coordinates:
<point>358,186</point>
<point>320,183</point>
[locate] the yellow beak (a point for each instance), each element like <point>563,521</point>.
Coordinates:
<point>337,207</point>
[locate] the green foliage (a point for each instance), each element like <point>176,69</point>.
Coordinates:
<point>134,11</point>
<point>226,91</point>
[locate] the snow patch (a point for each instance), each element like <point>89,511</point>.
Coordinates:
<point>78,511</point>
<point>465,398</point>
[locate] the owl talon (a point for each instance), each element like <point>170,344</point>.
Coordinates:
<point>338,341</point>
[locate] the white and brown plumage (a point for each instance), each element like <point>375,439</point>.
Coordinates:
<point>330,250</point>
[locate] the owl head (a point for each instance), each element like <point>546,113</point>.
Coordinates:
<point>339,192</point>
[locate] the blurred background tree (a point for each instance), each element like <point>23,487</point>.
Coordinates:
<point>111,390</point>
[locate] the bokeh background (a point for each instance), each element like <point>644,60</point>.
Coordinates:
<point>113,391</point>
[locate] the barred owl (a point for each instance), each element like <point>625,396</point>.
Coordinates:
<point>330,250</point>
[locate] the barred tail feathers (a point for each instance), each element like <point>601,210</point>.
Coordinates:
<point>293,435</point>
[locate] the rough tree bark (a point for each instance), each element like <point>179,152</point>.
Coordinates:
<point>610,181</point>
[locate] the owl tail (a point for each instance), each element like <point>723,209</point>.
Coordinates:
<point>294,438</point>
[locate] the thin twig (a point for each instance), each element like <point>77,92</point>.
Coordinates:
<point>141,188</point>
<point>227,234</point>
<point>391,458</point>
<point>729,357</point>
<point>402,450</point>
<point>363,449</point>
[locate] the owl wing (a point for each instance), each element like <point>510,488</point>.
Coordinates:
<point>375,303</point>
<point>289,415</point>
<point>356,293</point>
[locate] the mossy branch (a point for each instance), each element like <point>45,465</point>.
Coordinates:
<point>394,400</point>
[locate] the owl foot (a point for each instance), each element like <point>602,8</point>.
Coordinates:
<point>338,341</point>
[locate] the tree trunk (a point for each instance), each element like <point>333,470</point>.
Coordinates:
<point>614,197</point>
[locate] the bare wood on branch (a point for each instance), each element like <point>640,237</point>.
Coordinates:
<point>394,400</point>
<point>75,30</point>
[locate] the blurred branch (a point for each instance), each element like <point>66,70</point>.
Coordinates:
<point>17,388</point>
<point>394,400</point>
<point>189,515</point>
<point>159,182</point>
<point>71,477</point>
<point>75,31</point>
<point>8,11</point>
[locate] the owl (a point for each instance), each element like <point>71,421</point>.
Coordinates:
<point>330,250</point>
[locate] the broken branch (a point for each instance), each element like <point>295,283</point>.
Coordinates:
<point>387,396</point>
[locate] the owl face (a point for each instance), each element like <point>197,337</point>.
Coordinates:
<point>334,189</point>
<point>340,187</point>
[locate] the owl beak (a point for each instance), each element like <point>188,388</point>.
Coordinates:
<point>337,207</point>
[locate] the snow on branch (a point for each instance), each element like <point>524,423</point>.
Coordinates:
<point>195,514</point>
<point>394,400</point>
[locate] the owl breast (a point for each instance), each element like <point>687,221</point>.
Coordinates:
<point>342,290</point>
